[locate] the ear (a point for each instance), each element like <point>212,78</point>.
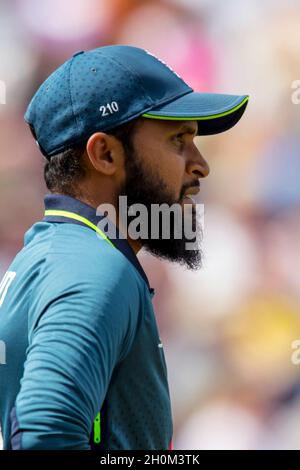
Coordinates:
<point>105,153</point>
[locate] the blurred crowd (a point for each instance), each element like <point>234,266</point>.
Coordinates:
<point>227,329</point>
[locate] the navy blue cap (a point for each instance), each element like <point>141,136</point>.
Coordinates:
<point>101,89</point>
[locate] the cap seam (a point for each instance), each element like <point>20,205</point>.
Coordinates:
<point>173,97</point>
<point>71,99</point>
<point>126,67</point>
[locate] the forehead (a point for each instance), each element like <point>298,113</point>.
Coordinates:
<point>162,126</point>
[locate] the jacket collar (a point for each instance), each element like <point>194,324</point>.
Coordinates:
<point>70,204</point>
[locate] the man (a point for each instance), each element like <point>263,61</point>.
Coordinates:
<point>85,367</point>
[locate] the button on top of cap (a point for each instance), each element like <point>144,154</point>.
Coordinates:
<point>77,53</point>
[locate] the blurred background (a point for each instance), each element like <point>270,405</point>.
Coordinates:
<point>227,329</point>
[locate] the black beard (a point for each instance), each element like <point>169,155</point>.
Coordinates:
<point>145,188</point>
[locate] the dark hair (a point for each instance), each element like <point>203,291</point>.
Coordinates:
<point>63,171</point>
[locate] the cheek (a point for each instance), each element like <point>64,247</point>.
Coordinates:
<point>174,176</point>
<point>172,168</point>
<point>121,177</point>
<point>169,165</point>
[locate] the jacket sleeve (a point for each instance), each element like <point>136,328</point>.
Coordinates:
<point>76,337</point>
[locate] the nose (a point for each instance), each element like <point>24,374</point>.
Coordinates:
<point>197,166</point>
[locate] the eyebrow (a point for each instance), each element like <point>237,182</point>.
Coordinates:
<point>188,128</point>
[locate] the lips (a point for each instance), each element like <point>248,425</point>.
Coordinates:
<point>192,191</point>
<point>188,200</point>
<point>189,193</point>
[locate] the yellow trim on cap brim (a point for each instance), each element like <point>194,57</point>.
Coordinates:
<point>196,118</point>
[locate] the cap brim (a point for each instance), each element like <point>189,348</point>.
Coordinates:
<point>217,112</point>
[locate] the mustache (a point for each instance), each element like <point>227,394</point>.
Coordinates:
<point>193,184</point>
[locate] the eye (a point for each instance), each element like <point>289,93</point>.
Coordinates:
<point>179,138</point>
